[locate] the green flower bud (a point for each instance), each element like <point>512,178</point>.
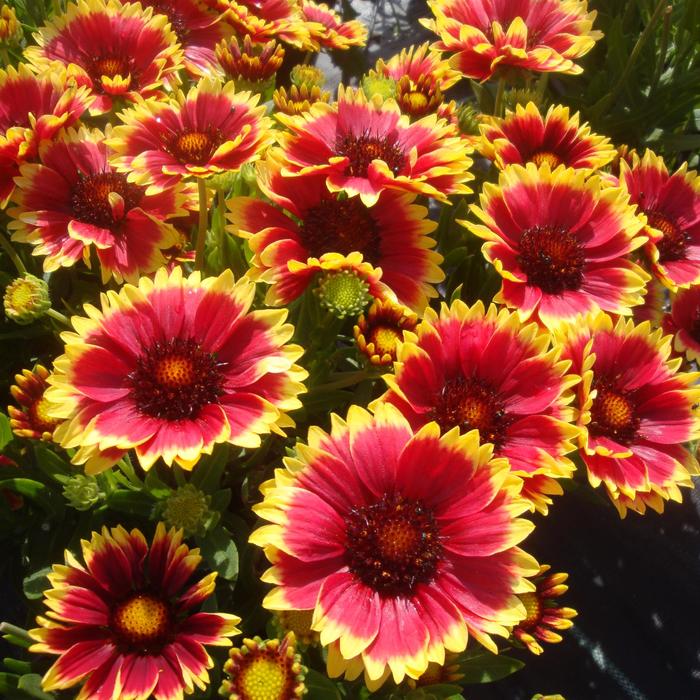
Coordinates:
<point>468,119</point>
<point>307,75</point>
<point>383,86</point>
<point>521,96</point>
<point>187,508</point>
<point>26,299</point>
<point>82,492</point>
<point>343,293</point>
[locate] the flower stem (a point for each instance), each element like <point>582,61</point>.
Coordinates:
<point>203,222</point>
<point>12,254</point>
<point>58,316</point>
<point>500,90</point>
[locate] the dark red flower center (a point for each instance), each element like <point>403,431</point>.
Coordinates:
<point>142,622</point>
<point>39,418</point>
<point>533,608</point>
<point>552,258</point>
<point>90,197</point>
<point>341,226</point>
<point>175,379</point>
<point>177,20</point>
<point>392,545</point>
<point>194,147</point>
<point>675,240</point>
<point>471,404</point>
<point>542,157</point>
<point>109,65</point>
<point>385,339</point>
<point>362,150</point>
<point>613,413</point>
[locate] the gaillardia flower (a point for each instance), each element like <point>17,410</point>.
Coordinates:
<point>561,243</point>
<point>379,332</point>
<point>299,99</point>
<point>10,27</point>
<point>328,30</point>
<point>365,146</point>
<point>121,51</point>
<point>292,241</point>
<point>671,204</point>
<point>73,199</point>
<point>213,129</point>
<point>526,136</point>
<point>125,622</point>
<point>33,109</point>
<point>267,669</point>
<point>26,299</point>
<point>685,322</point>
<point>403,544</point>
<point>535,35</point>
<point>255,65</point>
<point>172,367</point>
<point>636,411</point>
<point>544,615</point>
<point>30,418</point>
<point>477,369</point>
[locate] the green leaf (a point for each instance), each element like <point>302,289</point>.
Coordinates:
<point>320,687</point>
<point>34,491</point>
<point>487,668</point>
<point>30,683</point>
<point>52,464</point>
<point>35,584</point>
<point>209,470</point>
<point>131,502</point>
<point>220,553</point>
<point>5,431</point>
<point>17,666</point>
<point>155,486</point>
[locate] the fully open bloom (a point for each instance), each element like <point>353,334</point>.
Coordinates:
<point>171,368</point>
<point>73,200</point>
<point>536,35</point>
<point>561,243</point>
<point>119,51</point>
<point>365,146</point>
<point>685,322</point>
<point>480,369</point>
<point>291,242</point>
<point>636,411</point>
<point>671,204</point>
<point>403,544</point>
<point>33,109</point>
<point>30,418</point>
<point>213,129</point>
<point>126,620</point>
<point>557,138</point>
<point>327,29</point>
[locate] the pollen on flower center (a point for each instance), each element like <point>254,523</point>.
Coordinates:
<point>142,620</point>
<point>194,147</point>
<point>362,150</point>
<point>109,66</point>
<point>533,609</point>
<point>675,240</point>
<point>90,197</point>
<point>40,418</point>
<point>385,339</point>
<point>175,379</point>
<point>542,157</point>
<point>552,258</point>
<point>613,413</point>
<point>341,226</point>
<point>471,404</point>
<point>392,545</point>
<point>263,678</point>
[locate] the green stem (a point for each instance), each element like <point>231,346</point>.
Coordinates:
<point>500,91</point>
<point>4,56</point>
<point>663,49</point>
<point>58,316</point>
<point>347,379</point>
<point>7,628</point>
<point>12,254</point>
<point>203,224</point>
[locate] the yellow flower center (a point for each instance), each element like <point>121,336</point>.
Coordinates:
<point>263,678</point>
<point>416,101</point>
<point>141,620</point>
<point>297,621</point>
<point>21,295</point>
<point>194,147</point>
<point>175,371</point>
<point>533,608</point>
<point>613,413</point>
<point>546,157</point>
<point>40,418</point>
<point>385,339</point>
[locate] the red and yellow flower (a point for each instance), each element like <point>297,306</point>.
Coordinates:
<point>544,615</point>
<point>671,204</point>
<point>249,62</point>
<point>478,369</point>
<point>124,622</point>
<point>636,411</point>
<point>379,332</point>
<point>416,548</point>
<point>299,99</point>
<point>327,28</point>
<point>33,109</point>
<point>556,139</point>
<point>211,130</point>
<point>30,418</point>
<point>535,35</point>
<point>73,200</point>
<point>311,229</point>
<point>365,146</point>
<point>685,322</point>
<point>561,242</point>
<point>120,51</point>
<point>170,368</point>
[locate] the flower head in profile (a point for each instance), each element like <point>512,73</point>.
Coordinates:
<point>170,368</point>
<point>545,617</point>
<point>534,35</point>
<point>73,200</point>
<point>379,332</point>
<point>636,411</point>
<point>212,129</point>
<point>685,322</point>
<point>671,203</point>
<point>482,369</point>
<point>10,27</point>
<point>254,65</point>
<point>308,229</point>
<point>299,99</point>
<point>125,621</point>
<point>365,146</point>
<point>403,544</point>
<point>561,243</point>
<point>30,417</point>
<point>120,51</point>
<point>33,109</point>
<point>556,138</point>
<point>327,28</point>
